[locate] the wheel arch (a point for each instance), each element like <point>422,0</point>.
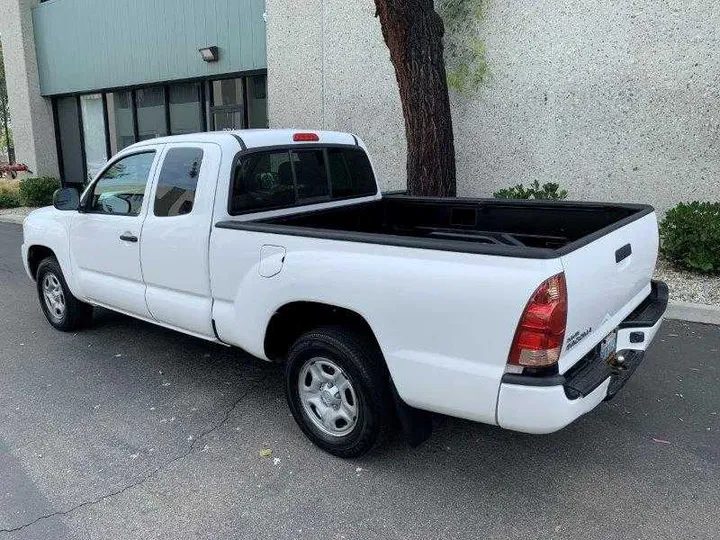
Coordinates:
<point>35,255</point>
<point>294,318</point>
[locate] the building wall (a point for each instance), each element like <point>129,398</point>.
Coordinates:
<point>32,123</point>
<point>88,44</point>
<point>328,68</point>
<point>615,101</point>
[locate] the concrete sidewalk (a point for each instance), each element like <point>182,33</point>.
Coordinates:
<point>15,215</point>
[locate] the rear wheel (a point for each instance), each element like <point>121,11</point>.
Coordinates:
<point>61,308</point>
<point>337,387</point>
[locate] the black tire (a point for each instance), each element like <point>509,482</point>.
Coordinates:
<point>76,313</point>
<point>361,362</point>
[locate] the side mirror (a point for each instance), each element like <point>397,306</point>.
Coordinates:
<point>112,204</point>
<point>66,199</point>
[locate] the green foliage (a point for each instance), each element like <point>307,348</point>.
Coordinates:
<point>9,198</point>
<point>690,236</point>
<point>38,191</point>
<point>467,67</point>
<point>534,191</point>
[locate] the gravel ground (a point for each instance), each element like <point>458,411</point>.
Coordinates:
<point>15,215</point>
<point>20,211</point>
<point>689,287</point>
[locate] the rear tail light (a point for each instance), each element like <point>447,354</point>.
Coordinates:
<point>541,330</point>
<point>305,137</point>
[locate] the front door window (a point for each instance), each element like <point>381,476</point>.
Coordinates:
<point>121,188</point>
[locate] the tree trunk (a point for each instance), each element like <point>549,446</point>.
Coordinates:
<point>413,32</point>
<point>10,149</point>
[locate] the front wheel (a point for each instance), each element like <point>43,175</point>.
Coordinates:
<point>61,308</point>
<point>338,390</point>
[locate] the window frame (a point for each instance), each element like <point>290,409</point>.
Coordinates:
<point>298,203</point>
<point>205,104</point>
<point>88,193</point>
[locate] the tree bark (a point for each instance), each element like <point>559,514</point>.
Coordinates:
<point>413,32</point>
<point>10,148</point>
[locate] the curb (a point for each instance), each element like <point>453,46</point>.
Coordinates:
<point>689,311</point>
<point>12,218</point>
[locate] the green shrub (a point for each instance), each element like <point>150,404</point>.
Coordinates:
<point>38,191</point>
<point>690,236</point>
<point>9,199</point>
<point>535,191</point>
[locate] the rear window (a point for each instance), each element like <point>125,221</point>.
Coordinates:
<point>283,178</point>
<point>351,173</point>
<point>262,180</point>
<point>311,175</point>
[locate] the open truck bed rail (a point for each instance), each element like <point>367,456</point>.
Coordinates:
<point>517,228</point>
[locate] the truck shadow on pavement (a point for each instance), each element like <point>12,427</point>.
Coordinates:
<point>634,412</point>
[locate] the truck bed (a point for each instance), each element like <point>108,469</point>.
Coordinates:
<point>530,229</point>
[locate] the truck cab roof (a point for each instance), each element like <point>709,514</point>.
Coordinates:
<point>256,138</point>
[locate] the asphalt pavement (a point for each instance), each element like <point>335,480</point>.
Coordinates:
<point>128,430</point>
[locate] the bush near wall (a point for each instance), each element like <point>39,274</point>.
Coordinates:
<point>690,236</point>
<point>9,199</point>
<point>9,196</point>
<point>534,191</point>
<point>38,191</point>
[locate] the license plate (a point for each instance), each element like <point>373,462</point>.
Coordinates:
<point>608,346</point>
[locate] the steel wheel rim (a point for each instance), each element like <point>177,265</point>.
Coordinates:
<point>54,296</point>
<point>328,397</point>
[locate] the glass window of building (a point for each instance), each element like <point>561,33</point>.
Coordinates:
<point>257,101</point>
<point>185,109</point>
<point>120,118</point>
<point>68,119</point>
<point>175,192</point>
<point>95,126</point>
<point>93,123</point>
<point>228,92</point>
<point>151,112</point>
<point>228,104</point>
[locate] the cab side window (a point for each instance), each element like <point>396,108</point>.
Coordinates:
<point>121,188</point>
<point>177,183</point>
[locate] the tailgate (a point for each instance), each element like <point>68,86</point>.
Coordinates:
<point>606,280</point>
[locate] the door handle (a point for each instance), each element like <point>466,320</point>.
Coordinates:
<point>128,237</point>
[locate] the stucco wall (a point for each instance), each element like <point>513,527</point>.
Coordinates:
<point>31,114</point>
<point>328,68</point>
<point>615,101</point>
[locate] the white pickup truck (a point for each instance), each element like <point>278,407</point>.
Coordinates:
<point>522,314</point>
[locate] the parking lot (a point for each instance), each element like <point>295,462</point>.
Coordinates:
<point>128,430</point>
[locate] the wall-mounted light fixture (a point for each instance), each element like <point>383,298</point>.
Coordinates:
<point>210,54</point>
